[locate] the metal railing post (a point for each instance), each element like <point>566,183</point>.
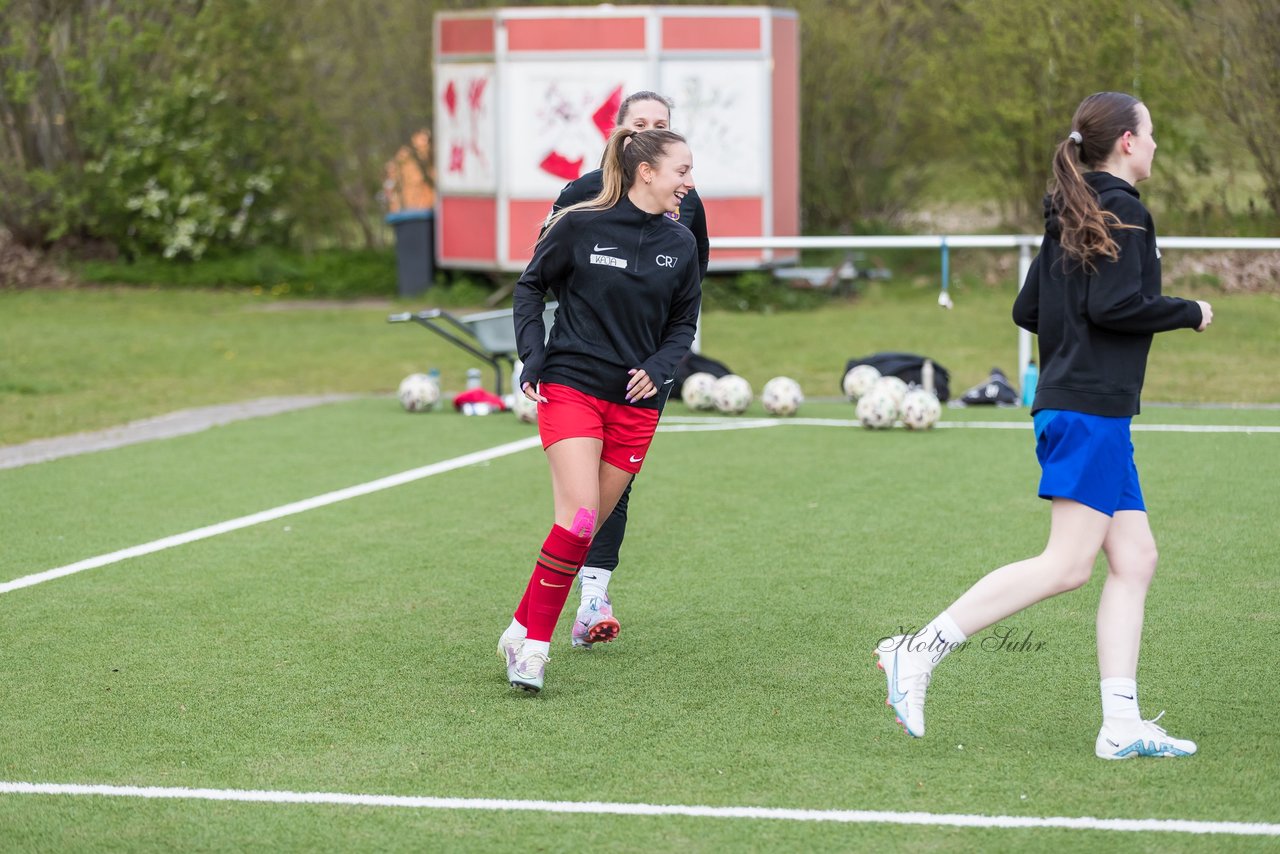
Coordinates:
<point>1024,337</point>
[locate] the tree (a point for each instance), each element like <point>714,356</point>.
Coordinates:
<point>861,69</point>
<point>1234,45</point>
<point>1010,74</point>
<point>165,127</point>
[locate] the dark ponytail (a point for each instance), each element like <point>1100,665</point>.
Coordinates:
<point>1099,121</point>
<point>623,154</point>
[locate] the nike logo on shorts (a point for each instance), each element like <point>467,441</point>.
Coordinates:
<point>636,459</point>
<point>600,248</point>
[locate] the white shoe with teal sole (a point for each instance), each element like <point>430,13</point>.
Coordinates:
<point>1143,738</point>
<point>908,683</point>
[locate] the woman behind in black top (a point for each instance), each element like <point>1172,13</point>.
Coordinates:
<point>628,284</point>
<point>595,621</point>
<point>1093,297</point>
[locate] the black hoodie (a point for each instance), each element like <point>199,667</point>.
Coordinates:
<point>691,214</point>
<point>1095,328</point>
<point>629,286</point>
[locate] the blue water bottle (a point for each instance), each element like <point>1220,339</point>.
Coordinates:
<point>1029,377</point>
<point>434,374</point>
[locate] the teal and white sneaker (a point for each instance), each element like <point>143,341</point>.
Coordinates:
<point>908,682</point>
<point>509,648</point>
<point>594,623</point>
<point>1141,739</point>
<point>528,671</point>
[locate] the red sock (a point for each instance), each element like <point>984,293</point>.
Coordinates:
<point>558,564</point>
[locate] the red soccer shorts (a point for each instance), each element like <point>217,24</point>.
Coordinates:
<point>625,430</point>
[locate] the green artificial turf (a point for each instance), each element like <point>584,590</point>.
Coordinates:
<point>350,648</point>
<point>95,358</point>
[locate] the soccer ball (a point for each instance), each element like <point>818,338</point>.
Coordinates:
<point>782,396</point>
<point>418,393</point>
<point>697,391</point>
<point>877,410</point>
<point>732,394</point>
<point>859,381</point>
<point>920,409</point>
<point>896,388</point>
<point>524,408</point>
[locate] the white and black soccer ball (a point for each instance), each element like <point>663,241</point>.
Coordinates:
<point>525,409</point>
<point>859,380</point>
<point>781,396</point>
<point>698,390</point>
<point>732,394</point>
<point>418,393</point>
<point>877,409</point>
<point>920,409</point>
<point>895,386</point>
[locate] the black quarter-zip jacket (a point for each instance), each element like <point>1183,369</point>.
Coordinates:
<point>1096,328</point>
<point>691,214</point>
<point>629,286</point>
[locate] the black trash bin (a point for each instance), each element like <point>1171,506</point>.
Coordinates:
<point>415,250</point>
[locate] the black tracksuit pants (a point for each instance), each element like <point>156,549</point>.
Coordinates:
<point>608,540</point>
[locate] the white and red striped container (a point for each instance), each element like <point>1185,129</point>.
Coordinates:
<point>525,99</point>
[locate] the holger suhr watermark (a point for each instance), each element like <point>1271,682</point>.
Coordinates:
<point>997,639</point>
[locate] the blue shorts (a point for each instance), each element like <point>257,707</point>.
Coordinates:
<point>1089,459</point>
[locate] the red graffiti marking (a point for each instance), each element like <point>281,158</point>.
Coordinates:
<point>475,94</point>
<point>557,164</point>
<point>605,113</point>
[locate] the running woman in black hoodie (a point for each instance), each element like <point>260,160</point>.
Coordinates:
<point>1093,297</point>
<point>595,621</point>
<point>629,286</point>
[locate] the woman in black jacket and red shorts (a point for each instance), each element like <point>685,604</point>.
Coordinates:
<point>628,283</point>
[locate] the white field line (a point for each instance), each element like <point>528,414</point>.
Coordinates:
<point>674,424</point>
<point>1139,825</point>
<point>312,503</point>
<point>274,513</point>
<point>687,423</point>
<point>703,425</point>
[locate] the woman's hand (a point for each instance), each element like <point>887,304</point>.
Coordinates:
<point>531,392</point>
<point>639,386</point>
<point>1206,315</point>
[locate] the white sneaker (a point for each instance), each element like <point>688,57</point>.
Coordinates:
<point>908,683</point>
<point>1140,739</point>
<point>509,648</point>
<point>594,623</point>
<point>528,671</point>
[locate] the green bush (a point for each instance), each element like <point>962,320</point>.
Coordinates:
<point>757,291</point>
<point>170,129</point>
<point>329,273</point>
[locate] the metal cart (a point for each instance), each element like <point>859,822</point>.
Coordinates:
<point>490,336</point>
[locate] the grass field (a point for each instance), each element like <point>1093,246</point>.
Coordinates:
<point>90,359</point>
<point>349,648</point>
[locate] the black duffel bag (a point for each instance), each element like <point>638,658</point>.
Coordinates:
<point>907,367</point>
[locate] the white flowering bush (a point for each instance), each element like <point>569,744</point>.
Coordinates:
<point>182,177</point>
<point>168,129</point>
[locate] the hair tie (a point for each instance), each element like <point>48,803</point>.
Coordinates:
<point>1075,137</point>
